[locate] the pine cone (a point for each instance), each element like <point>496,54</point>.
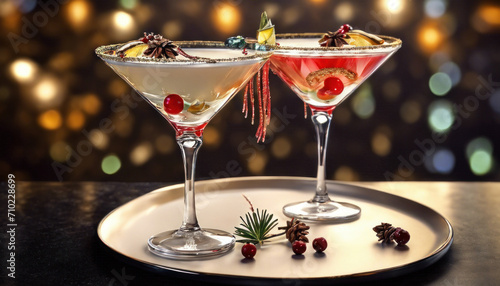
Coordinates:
<point>385,232</point>
<point>296,230</point>
<point>159,47</point>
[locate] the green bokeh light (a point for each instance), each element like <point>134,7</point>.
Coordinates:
<point>480,143</point>
<point>440,83</point>
<point>128,4</point>
<point>111,164</point>
<point>481,162</point>
<point>363,103</point>
<point>441,116</point>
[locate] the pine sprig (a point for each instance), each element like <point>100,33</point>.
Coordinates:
<point>256,227</point>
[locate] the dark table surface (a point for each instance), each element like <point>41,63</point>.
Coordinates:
<point>56,242</point>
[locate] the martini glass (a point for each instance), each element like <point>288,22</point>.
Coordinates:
<point>323,77</point>
<point>189,93</point>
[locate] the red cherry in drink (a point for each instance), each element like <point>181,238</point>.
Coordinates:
<point>401,236</point>
<point>319,244</point>
<point>173,104</point>
<point>249,250</point>
<point>333,86</point>
<point>299,247</point>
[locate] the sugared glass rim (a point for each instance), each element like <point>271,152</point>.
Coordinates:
<point>259,54</point>
<point>390,43</point>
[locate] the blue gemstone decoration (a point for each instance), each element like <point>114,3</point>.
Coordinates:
<point>237,42</point>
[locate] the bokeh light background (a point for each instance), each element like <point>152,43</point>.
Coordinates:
<point>432,112</point>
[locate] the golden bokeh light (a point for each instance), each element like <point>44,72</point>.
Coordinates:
<point>281,147</point>
<point>211,137</point>
<point>227,18</point>
<point>47,92</point>
<point>165,144</point>
<point>78,13</point>
<point>90,104</point>
<point>122,20</point>
<point>141,153</point>
<point>410,111</point>
<point>394,6</point>
<point>124,25</point>
<point>172,29</point>
<point>430,37</point>
<point>75,120</point>
<point>381,144</point>
<point>118,87</point>
<point>258,164</point>
<point>50,119</point>
<point>344,11</point>
<point>23,70</point>
<point>486,18</point>
<point>59,151</point>
<point>345,173</point>
<point>62,61</point>
<point>99,139</point>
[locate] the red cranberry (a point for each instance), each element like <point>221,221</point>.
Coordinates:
<point>299,247</point>
<point>345,28</point>
<point>319,244</point>
<point>173,104</point>
<point>248,250</point>
<point>333,86</point>
<point>401,236</point>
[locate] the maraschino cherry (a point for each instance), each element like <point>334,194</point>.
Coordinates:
<point>333,86</point>
<point>173,104</point>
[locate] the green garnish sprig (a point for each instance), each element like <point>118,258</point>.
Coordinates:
<point>256,225</point>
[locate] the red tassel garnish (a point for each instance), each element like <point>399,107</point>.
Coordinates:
<point>264,98</point>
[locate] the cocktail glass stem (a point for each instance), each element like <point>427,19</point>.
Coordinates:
<point>190,241</point>
<point>321,207</point>
<point>190,145</point>
<point>321,121</point>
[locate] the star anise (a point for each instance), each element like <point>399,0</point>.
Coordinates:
<point>335,39</point>
<point>159,47</point>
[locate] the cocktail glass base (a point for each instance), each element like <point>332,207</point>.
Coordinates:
<point>191,245</point>
<point>329,211</point>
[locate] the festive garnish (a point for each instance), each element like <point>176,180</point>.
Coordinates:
<point>299,247</point>
<point>387,233</point>
<point>316,77</point>
<point>361,38</point>
<point>266,34</point>
<point>123,48</point>
<point>159,47</point>
<point>249,250</point>
<point>198,107</point>
<point>296,230</point>
<point>335,39</point>
<point>236,42</point>
<point>345,35</point>
<point>319,244</point>
<point>173,104</point>
<point>256,226</point>
<point>333,87</point>
<point>401,236</point>
<point>152,46</point>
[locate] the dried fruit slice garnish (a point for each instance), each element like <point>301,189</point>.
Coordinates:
<point>135,51</point>
<point>198,107</point>
<point>319,76</point>
<point>361,38</point>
